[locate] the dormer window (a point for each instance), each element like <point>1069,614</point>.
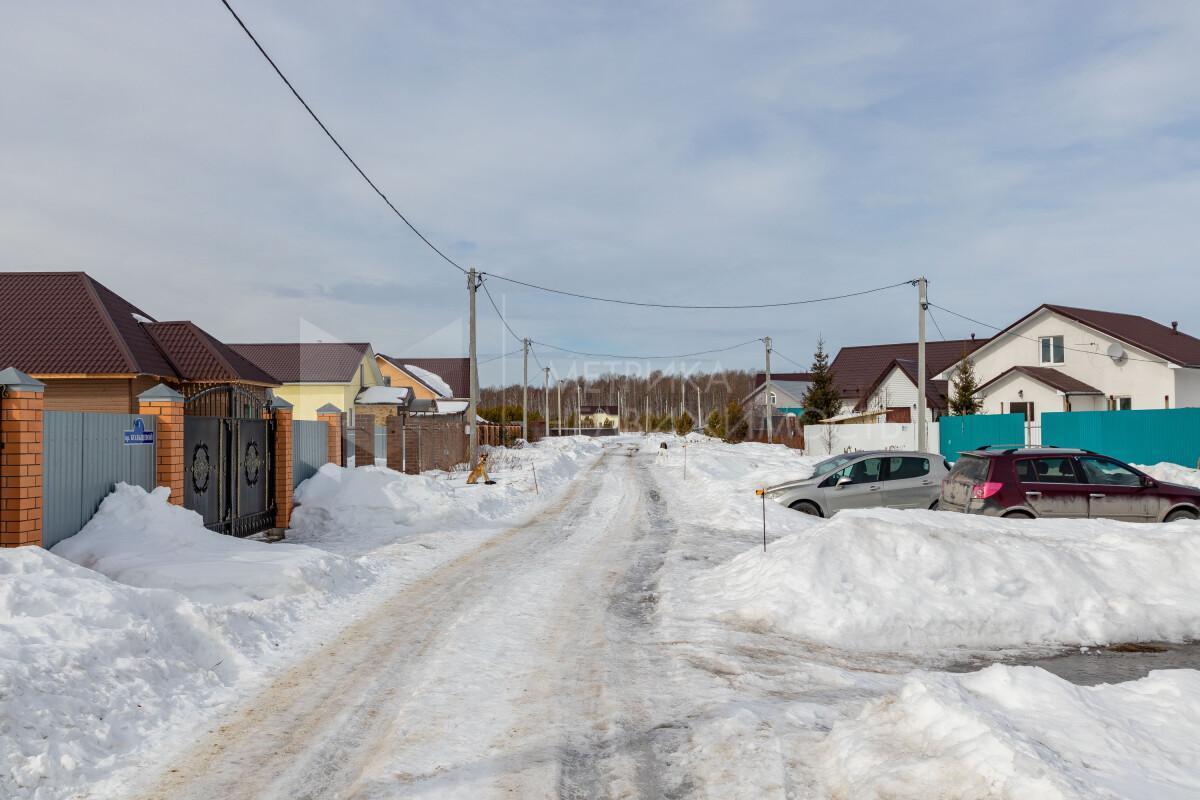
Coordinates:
<point>770,398</point>
<point>1052,350</point>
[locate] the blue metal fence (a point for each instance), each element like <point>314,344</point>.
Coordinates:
<point>968,432</point>
<point>1138,437</point>
<point>84,455</point>
<point>310,449</point>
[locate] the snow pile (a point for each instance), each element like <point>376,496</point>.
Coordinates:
<point>139,539</point>
<point>375,506</point>
<point>430,379</point>
<point>1172,473</point>
<point>90,668</point>
<point>884,579</point>
<point>1020,732</point>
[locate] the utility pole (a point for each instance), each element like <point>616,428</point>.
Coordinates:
<point>473,405</point>
<point>922,305</point>
<point>560,406</point>
<point>699,416</point>
<point>618,409</point>
<point>767,390</point>
<point>546,397</point>
<point>646,419</point>
<point>578,409</point>
<point>525,392</point>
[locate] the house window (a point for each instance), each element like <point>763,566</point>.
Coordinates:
<point>1025,408</point>
<point>1052,349</point>
<point>771,398</point>
<point>1123,403</point>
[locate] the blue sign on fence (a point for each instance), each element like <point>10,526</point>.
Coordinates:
<point>139,434</point>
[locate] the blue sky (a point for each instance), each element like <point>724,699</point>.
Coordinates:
<point>727,152</point>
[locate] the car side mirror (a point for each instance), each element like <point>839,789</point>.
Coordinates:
<point>844,481</point>
<point>1148,482</point>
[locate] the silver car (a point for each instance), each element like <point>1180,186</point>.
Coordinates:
<point>890,478</point>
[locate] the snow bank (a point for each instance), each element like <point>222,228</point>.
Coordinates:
<point>139,539</point>
<point>1020,732</point>
<point>90,668</point>
<point>885,579</point>
<point>1172,473</point>
<point>373,506</point>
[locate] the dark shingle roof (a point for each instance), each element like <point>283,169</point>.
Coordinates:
<point>456,372</point>
<point>598,409</point>
<point>199,357</point>
<point>856,369</point>
<point>65,323</point>
<point>306,362</point>
<point>761,377</point>
<point>1059,381</point>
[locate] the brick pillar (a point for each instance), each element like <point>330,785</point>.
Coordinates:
<point>166,404</point>
<point>281,452</point>
<point>331,415</point>
<point>20,459</point>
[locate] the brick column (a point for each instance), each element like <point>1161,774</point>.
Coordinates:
<point>166,404</point>
<point>20,459</point>
<point>331,415</point>
<point>281,452</point>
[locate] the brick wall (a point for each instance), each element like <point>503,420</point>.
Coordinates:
<point>21,468</point>
<point>282,455</point>
<point>168,443</point>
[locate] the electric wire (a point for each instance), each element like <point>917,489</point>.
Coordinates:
<point>338,144</point>
<point>646,357</point>
<point>935,322</point>
<point>789,360</point>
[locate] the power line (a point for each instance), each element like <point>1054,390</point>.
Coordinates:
<point>497,358</point>
<point>649,358</point>
<point>935,322</point>
<point>338,144</point>
<point>697,307</point>
<point>789,360</point>
<point>1037,341</point>
<point>496,308</point>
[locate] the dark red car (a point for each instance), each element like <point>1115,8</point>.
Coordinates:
<point>1057,482</point>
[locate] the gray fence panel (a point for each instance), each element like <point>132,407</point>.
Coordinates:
<point>84,457</point>
<point>310,449</point>
<point>380,442</point>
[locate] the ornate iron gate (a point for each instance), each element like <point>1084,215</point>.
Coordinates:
<point>228,470</point>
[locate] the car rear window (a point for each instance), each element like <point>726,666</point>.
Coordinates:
<point>971,468</point>
<point>1053,469</point>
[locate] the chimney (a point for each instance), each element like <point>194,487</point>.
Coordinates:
<point>1174,327</point>
<point>972,336</point>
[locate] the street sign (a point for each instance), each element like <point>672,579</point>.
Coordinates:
<point>139,434</point>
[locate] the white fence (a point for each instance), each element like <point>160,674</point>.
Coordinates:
<point>824,440</point>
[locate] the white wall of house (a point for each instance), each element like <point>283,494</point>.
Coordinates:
<point>896,391</point>
<point>824,440</point>
<point>1187,387</point>
<point>1145,378</point>
<point>1017,388</point>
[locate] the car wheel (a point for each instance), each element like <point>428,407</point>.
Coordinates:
<point>1179,514</point>
<point>805,507</point>
<point>1018,515</point>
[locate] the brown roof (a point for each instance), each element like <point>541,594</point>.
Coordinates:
<point>306,362</point>
<point>761,377</point>
<point>1059,381</point>
<point>585,409</point>
<point>454,371</point>
<point>65,323</point>
<point>856,369</point>
<point>200,357</point>
<point>1145,334</point>
<point>937,392</point>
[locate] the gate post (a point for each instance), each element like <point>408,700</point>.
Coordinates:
<point>167,404</point>
<point>20,459</point>
<point>331,415</point>
<point>395,443</point>
<point>281,453</point>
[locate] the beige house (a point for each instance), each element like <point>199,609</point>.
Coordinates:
<point>313,374</point>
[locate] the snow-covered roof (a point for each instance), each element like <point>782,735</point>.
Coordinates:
<point>452,406</point>
<point>430,379</point>
<point>384,395</point>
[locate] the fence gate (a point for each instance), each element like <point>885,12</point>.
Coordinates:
<point>228,470</point>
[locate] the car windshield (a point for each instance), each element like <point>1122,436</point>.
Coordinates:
<point>830,464</point>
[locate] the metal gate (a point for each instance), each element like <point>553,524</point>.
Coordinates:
<point>228,469</point>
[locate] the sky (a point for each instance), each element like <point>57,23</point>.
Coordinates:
<point>705,153</point>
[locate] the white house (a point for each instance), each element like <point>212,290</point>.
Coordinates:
<point>1058,358</point>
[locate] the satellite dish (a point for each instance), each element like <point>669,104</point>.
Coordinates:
<point>1117,353</point>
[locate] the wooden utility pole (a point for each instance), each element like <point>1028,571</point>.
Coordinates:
<point>525,392</point>
<point>546,398</point>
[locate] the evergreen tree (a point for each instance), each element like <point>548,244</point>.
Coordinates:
<point>683,424</point>
<point>737,428</point>
<point>822,400</point>
<point>715,426</point>
<point>963,400</point>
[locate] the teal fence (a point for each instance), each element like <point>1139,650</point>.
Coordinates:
<point>968,432</point>
<point>1137,437</point>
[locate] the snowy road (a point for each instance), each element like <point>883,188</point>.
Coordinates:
<point>526,667</point>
